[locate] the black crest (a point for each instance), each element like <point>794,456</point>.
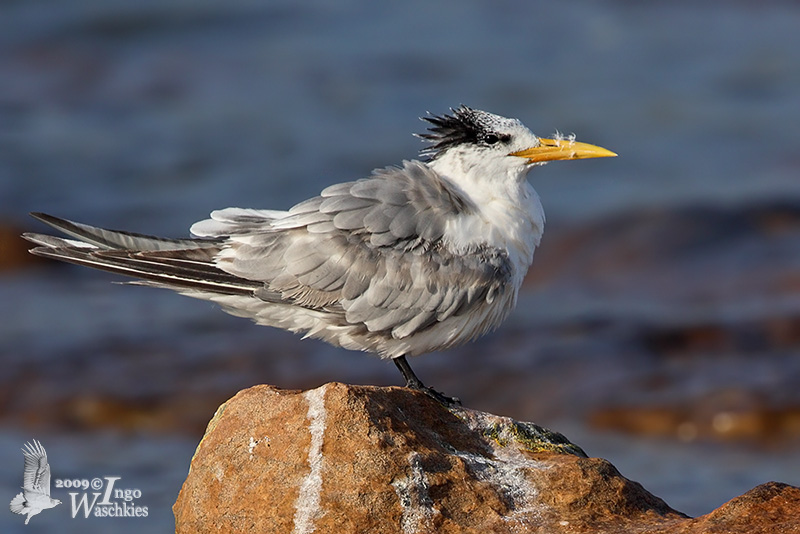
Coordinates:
<point>465,125</point>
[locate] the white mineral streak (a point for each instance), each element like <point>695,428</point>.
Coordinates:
<point>418,509</point>
<point>307,507</point>
<point>506,471</point>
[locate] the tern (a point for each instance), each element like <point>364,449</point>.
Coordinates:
<point>415,258</point>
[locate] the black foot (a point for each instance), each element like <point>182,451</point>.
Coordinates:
<point>440,397</point>
<point>415,383</point>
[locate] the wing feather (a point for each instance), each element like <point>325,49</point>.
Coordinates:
<point>36,473</point>
<point>364,264</point>
<point>371,253</point>
<point>350,220</point>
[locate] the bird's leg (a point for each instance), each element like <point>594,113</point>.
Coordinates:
<point>413,382</point>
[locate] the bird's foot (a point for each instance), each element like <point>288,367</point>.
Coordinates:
<point>440,397</point>
<point>413,382</point>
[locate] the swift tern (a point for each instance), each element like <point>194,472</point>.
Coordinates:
<point>413,259</point>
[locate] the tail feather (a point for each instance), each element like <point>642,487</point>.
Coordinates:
<point>50,241</point>
<point>180,264</point>
<point>118,239</point>
<point>18,504</point>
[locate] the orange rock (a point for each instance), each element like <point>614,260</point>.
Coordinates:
<point>347,459</point>
<point>770,508</point>
<point>369,459</point>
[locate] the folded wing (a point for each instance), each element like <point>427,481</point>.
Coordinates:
<point>370,252</point>
<point>366,257</point>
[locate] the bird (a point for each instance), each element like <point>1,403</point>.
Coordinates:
<point>412,259</point>
<point>35,496</point>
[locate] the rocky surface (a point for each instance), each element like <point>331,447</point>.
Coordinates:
<point>343,458</point>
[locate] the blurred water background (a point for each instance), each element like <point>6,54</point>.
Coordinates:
<point>659,326</point>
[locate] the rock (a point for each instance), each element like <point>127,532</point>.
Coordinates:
<point>769,508</point>
<point>366,459</point>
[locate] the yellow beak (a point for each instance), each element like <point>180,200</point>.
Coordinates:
<point>555,149</point>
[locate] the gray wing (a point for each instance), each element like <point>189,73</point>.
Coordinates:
<point>36,473</point>
<point>367,256</point>
<point>369,252</point>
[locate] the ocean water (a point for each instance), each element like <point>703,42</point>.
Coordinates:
<point>146,116</point>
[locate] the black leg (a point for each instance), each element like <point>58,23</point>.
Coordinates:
<point>411,379</point>
<point>413,382</point>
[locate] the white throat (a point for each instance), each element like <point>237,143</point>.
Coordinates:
<point>509,213</point>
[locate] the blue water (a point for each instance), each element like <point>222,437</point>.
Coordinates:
<point>147,115</point>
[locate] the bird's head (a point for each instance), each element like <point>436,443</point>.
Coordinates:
<point>473,139</point>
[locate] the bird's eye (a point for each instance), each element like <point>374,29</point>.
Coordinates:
<point>491,139</point>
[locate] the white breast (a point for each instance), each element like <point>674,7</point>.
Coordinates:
<point>508,215</point>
